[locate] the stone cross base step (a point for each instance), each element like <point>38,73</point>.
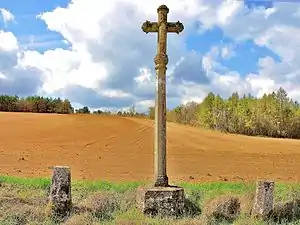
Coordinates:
<point>161,201</point>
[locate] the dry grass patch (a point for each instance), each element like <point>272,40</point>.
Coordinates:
<point>223,208</point>
<point>127,201</point>
<point>286,212</point>
<point>100,205</point>
<point>22,214</point>
<point>127,222</point>
<point>81,219</point>
<point>245,220</point>
<point>247,201</point>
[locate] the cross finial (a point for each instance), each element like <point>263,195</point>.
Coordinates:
<point>163,8</point>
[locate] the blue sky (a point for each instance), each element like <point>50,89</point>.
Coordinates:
<point>245,58</point>
<point>28,28</point>
<point>236,45</point>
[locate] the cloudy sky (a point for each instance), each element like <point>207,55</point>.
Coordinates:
<point>95,53</point>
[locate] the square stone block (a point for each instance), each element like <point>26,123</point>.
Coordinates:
<point>264,198</point>
<point>161,201</point>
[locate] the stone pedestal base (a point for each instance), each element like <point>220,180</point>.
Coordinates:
<point>161,201</point>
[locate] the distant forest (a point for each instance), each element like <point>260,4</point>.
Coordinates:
<point>35,104</point>
<point>272,115</point>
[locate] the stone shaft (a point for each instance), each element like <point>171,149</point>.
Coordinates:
<point>264,199</point>
<point>60,192</point>
<point>161,61</point>
<point>162,27</point>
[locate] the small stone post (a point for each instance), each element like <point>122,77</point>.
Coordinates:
<point>60,192</point>
<point>264,199</point>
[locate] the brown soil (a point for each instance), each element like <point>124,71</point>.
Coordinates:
<point>116,149</point>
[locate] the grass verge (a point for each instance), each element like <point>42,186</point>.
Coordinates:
<point>23,200</point>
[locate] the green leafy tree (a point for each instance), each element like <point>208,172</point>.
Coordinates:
<point>35,104</point>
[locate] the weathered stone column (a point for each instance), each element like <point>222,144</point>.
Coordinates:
<point>162,27</point>
<point>161,61</point>
<point>60,192</point>
<point>162,199</point>
<point>264,199</point>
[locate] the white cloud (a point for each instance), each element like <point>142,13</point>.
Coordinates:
<point>40,41</point>
<point>8,41</point>
<point>269,12</point>
<point>227,52</point>
<point>143,106</point>
<point>110,55</point>
<point>191,91</point>
<point>110,60</point>
<point>275,28</point>
<point>6,16</point>
<point>109,51</point>
<point>14,78</point>
<point>63,67</point>
<point>227,11</point>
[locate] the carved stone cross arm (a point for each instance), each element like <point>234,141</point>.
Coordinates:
<point>152,27</point>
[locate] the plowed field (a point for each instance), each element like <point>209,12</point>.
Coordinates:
<point>118,149</point>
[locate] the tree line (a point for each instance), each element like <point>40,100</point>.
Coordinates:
<point>272,115</point>
<point>130,112</point>
<point>35,104</point>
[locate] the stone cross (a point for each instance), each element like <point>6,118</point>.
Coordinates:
<point>162,27</point>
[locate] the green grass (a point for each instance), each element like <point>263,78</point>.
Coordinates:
<point>44,183</point>
<point>124,186</point>
<point>199,193</point>
<point>26,182</point>
<point>206,189</point>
